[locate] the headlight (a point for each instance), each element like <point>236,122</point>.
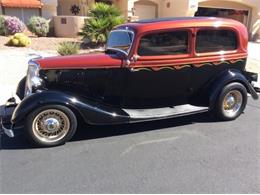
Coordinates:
<point>33,80</point>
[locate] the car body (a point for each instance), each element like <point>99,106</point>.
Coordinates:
<point>152,69</point>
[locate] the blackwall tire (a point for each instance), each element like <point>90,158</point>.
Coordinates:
<point>21,88</point>
<point>231,101</point>
<point>50,125</point>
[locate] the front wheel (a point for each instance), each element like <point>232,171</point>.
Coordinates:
<point>21,88</point>
<point>50,125</point>
<point>231,101</point>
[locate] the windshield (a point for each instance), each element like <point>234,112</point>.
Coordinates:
<point>120,40</point>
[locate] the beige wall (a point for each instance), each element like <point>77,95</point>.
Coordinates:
<point>122,5</point>
<point>49,8</point>
<point>65,5</point>
<point>172,8</point>
<point>68,26</point>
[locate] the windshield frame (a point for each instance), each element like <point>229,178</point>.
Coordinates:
<point>120,50</point>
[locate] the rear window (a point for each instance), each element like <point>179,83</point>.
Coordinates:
<point>166,43</point>
<point>215,41</point>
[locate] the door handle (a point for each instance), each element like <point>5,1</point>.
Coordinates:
<point>134,58</point>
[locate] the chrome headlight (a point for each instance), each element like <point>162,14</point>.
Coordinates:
<point>33,80</point>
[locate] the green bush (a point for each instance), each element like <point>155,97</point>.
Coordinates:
<point>68,48</point>
<point>39,26</point>
<point>2,25</point>
<point>19,40</point>
<point>103,19</point>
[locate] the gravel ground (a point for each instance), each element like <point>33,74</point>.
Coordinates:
<point>40,43</point>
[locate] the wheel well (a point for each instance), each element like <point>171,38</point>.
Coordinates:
<point>73,109</point>
<point>212,100</point>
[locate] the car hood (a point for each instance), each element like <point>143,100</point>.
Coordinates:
<point>82,61</point>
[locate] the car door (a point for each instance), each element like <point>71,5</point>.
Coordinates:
<point>157,77</point>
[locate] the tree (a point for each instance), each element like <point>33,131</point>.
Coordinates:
<point>103,19</point>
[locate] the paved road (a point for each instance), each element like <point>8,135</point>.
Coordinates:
<point>186,155</point>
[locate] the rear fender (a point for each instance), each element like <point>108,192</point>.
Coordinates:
<point>224,79</point>
<point>91,112</point>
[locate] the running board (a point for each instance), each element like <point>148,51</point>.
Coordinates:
<point>167,112</point>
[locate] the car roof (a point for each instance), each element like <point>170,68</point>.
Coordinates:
<point>182,22</point>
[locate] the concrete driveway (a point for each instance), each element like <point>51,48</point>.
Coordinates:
<point>13,67</point>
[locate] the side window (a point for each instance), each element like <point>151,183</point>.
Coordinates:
<point>215,41</point>
<point>165,43</point>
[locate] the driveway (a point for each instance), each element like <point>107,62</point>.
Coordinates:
<point>194,154</point>
<point>13,67</point>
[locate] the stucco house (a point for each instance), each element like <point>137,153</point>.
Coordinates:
<point>245,11</point>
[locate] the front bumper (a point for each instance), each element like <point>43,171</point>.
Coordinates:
<point>6,112</point>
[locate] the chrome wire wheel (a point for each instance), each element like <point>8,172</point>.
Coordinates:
<point>51,125</point>
<point>232,103</point>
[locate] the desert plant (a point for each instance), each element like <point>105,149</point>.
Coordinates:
<point>19,40</point>
<point>103,19</point>
<point>2,25</point>
<point>13,25</point>
<point>68,48</point>
<point>39,26</point>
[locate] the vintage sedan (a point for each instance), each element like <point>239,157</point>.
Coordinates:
<point>151,69</point>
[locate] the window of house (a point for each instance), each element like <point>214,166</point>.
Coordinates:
<point>165,43</point>
<point>215,41</point>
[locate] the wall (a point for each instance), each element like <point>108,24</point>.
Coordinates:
<point>49,8</point>
<point>64,6</point>
<point>174,8</point>
<point>68,26</point>
<point>122,5</point>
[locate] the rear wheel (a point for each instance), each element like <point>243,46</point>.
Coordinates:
<point>50,125</point>
<point>231,101</point>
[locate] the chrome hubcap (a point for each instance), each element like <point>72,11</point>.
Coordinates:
<point>51,125</point>
<point>232,103</point>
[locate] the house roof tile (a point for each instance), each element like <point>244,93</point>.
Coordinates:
<point>22,3</point>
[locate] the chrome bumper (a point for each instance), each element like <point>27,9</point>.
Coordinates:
<point>8,132</point>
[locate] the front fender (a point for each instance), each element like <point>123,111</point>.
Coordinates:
<point>226,78</point>
<point>92,112</point>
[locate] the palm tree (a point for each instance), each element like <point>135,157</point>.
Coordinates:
<point>103,19</point>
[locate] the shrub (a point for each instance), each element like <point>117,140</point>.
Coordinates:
<point>39,26</point>
<point>103,19</point>
<point>2,25</point>
<point>68,48</point>
<point>19,40</point>
<point>13,25</point>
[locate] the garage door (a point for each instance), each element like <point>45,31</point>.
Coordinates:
<point>145,11</point>
<point>239,15</point>
<point>23,14</point>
